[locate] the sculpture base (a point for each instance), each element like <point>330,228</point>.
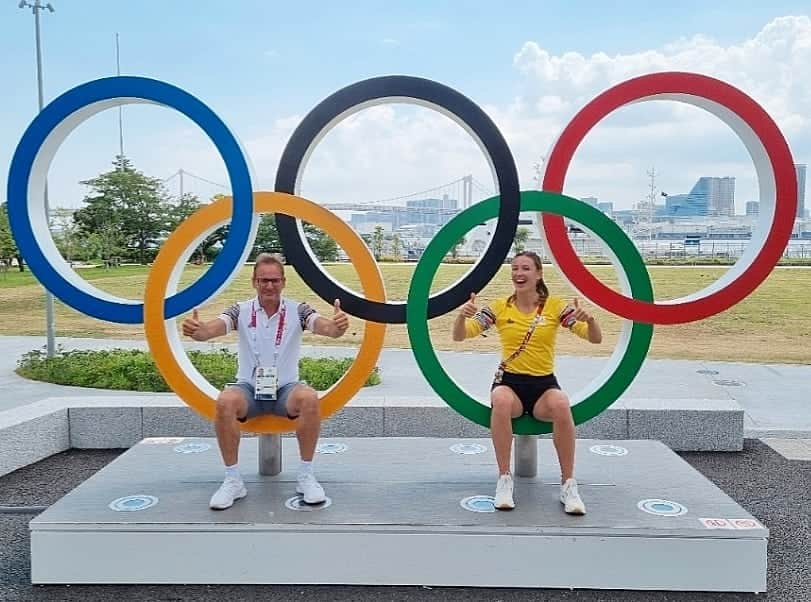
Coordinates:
<point>401,512</point>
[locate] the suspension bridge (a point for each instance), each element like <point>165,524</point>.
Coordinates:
<point>444,198</point>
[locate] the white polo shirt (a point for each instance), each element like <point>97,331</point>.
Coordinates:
<point>257,335</point>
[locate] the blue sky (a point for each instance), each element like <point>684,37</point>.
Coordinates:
<point>263,65</point>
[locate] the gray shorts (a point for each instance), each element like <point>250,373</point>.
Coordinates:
<point>259,407</point>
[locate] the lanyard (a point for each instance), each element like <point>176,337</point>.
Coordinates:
<point>527,336</point>
<point>279,332</point>
<point>503,365</point>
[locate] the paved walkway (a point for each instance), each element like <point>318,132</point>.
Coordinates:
<point>775,397</point>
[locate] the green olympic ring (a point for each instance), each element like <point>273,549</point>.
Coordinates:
<point>629,354</point>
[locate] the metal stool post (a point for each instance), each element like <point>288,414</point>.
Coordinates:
<point>526,455</point>
<point>270,454</point>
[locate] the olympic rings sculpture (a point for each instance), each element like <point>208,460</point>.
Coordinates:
<point>41,140</point>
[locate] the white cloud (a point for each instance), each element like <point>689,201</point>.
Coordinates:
<point>771,67</point>
<point>386,150</point>
<point>391,150</point>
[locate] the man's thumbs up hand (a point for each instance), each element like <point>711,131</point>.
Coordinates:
<point>339,319</point>
<point>191,326</point>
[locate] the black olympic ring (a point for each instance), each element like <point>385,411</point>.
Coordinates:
<point>434,95</point>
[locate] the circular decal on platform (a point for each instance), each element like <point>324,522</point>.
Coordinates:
<point>133,503</point>
<point>479,503</point>
<point>297,503</point>
<point>468,448</point>
<point>662,507</point>
<point>608,450</point>
<point>331,448</point>
<point>192,448</point>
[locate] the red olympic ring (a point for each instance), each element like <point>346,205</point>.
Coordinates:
<point>776,176</point>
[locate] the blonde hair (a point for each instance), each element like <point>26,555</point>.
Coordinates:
<point>267,259</point>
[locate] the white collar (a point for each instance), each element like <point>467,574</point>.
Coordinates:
<point>256,303</point>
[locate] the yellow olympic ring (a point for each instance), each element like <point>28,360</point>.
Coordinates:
<point>176,368</point>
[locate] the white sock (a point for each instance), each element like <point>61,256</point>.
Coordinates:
<point>305,467</point>
<point>232,472</point>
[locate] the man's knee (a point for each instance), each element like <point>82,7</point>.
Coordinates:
<point>303,402</point>
<point>230,404</point>
<point>309,400</point>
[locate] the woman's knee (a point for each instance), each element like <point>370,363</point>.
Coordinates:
<point>502,401</point>
<point>557,405</point>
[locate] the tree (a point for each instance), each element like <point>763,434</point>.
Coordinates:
<point>455,247</point>
<point>396,246</point>
<point>66,233</point>
<point>268,241</point>
<point>377,242</point>
<point>8,247</point>
<point>267,236</point>
<point>130,204</point>
<point>322,245</point>
<point>520,240</point>
<point>178,212</point>
<point>185,206</point>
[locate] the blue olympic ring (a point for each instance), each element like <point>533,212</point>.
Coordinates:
<point>38,146</point>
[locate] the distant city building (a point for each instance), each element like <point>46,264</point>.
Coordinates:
<point>366,222</point>
<point>752,208</point>
<point>676,204</point>
<point>443,203</point>
<point>427,213</point>
<point>709,197</point>
<point>606,207</point>
<point>800,170</point>
<point>722,200</point>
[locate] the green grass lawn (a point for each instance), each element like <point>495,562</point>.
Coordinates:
<point>771,325</point>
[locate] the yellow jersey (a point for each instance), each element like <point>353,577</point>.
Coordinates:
<point>538,357</point>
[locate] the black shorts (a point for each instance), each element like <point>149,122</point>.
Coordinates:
<point>528,388</point>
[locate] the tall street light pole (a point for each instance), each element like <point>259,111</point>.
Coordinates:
<point>120,108</point>
<point>36,6</point>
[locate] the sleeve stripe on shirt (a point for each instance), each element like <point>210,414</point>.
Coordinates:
<point>231,318</point>
<point>485,317</point>
<point>307,316</point>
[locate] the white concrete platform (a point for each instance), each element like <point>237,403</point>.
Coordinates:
<point>395,515</point>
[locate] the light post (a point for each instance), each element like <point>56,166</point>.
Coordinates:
<point>36,6</point>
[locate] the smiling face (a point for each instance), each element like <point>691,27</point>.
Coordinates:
<point>268,280</point>
<point>525,274</point>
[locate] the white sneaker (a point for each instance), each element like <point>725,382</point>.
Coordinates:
<point>230,490</point>
<point>504,493</point>
<point>307,486</point>
<point>572,504</point>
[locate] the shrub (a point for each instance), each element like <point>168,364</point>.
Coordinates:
<point>135,370</point>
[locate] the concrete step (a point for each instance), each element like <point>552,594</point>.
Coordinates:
<point>35,431</point>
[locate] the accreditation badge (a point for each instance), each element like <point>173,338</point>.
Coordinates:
<point>266,383</point>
